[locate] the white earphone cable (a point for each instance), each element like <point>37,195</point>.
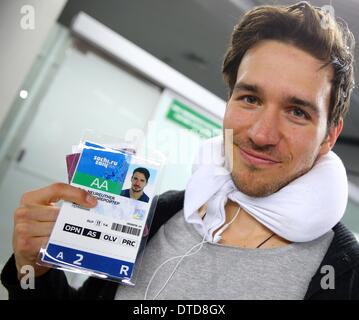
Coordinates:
<point>168,260</point>
<point>217,237</point>
<point>187,254</point>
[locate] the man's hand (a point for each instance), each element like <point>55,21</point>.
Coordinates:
<point>35,218</point>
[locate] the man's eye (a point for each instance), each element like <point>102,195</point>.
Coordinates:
<point>299,113</point>
<point>249,99</point>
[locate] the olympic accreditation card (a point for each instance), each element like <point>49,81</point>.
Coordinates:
<point>104,239</point>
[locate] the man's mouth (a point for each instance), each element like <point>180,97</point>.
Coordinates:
<point>257,159</point>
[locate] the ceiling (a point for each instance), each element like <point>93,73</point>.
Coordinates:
<point>191,35</point>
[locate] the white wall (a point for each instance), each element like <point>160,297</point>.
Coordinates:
<point>18,47</point>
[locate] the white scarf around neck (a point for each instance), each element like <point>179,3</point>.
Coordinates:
<point>303,210</point>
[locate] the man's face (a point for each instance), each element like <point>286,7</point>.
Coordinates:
<point>278,112</point>
<point>138,181</point>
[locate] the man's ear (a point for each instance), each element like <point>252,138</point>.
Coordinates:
<point>331,138</point>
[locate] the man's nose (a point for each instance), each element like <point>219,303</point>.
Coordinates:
<point>266,128</point>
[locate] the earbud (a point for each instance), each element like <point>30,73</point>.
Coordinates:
<point>217,237</point>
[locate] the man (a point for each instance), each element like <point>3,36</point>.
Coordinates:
<point>139,181</point>
<point>290,81</point>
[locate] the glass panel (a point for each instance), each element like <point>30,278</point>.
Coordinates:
<point>82,89</point>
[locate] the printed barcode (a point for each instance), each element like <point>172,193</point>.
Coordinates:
<point>125,229</point>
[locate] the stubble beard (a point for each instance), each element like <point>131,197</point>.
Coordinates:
<point>255,182</point>
<point>250,180</point>
<point>254,188</point>
<point>251,184</point>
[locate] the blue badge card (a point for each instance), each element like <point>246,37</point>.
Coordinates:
<point>104,241</point>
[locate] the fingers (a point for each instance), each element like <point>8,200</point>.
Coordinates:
<point>28,249</point>
<point>37,213</point>
<point>35,219</point>
<point>56,192</point>
<point>29,237</point>
<point>31,229</point>
<point>30,223</point>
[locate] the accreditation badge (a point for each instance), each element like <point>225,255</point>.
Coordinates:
<point>105,241</point>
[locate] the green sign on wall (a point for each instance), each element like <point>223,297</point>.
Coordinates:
<point>192,120</point>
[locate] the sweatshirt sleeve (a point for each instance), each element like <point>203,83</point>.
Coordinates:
<point>52,285</point>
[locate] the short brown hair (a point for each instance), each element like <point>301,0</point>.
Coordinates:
<point>301,25</point>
